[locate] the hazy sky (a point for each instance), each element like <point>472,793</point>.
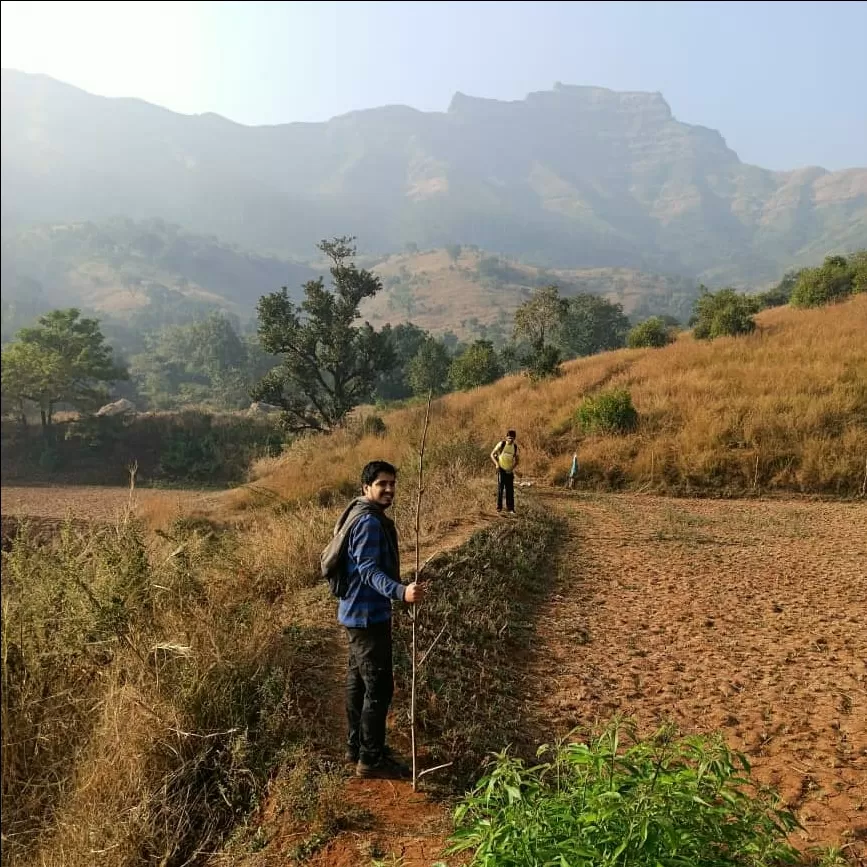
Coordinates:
<point>785,83</point>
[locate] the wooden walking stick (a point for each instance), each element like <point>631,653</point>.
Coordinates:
<point>415,665</point>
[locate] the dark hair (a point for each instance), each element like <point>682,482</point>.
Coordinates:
<point>373,469</point>
<point>510,433</point>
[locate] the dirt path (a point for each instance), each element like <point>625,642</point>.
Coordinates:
<point>405,827</point>
<point>742,617</point>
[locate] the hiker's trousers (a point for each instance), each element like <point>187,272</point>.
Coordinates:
<point>505,485</point>
<point>369,689</point>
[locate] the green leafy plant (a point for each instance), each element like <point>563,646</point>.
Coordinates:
<point>653,332</point>
<point>834,280</point>
<point>723,314</point>
<point>615,800</point>
<point>607,412</point>
<point>477,365</point>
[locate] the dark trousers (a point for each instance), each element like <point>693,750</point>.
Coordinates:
<point>369,689</point>
<point>505,484</point>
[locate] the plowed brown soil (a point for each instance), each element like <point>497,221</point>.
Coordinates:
<point>735,616</point>
<point>93,502</point>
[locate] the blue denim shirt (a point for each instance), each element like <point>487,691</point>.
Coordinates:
<point>371,565</point>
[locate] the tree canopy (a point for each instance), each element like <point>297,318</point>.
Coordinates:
<point>477,365</point>
<point>64,359</point>
<point>330,364</point>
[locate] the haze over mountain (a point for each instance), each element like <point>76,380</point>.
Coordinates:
<point>575,177</point>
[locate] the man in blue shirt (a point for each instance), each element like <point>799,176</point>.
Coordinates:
<point>373,577</point>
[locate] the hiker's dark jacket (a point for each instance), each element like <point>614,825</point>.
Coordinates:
<point>373,567</point>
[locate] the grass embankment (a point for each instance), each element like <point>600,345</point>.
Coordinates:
<point>148,696</point>
<point>783,410</point>
<point>483,598</point>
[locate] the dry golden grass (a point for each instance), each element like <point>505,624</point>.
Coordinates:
<point>784,409</point>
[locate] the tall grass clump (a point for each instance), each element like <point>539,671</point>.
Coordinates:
<point>149,693</point>
<point>615,800</point>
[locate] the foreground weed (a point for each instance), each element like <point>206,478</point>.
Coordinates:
<point>603,803</point>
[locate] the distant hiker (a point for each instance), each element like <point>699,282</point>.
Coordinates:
<point>505,458</point>
<point>573,471</point>
<point>372,582</point>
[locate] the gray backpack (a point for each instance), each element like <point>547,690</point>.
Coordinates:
<point>332,561</point>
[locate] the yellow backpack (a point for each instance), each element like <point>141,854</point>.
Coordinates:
<point>506,457</point>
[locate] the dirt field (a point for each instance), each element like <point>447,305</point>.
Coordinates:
<point>745,617</point>
<point>742,617</point>
<point>91,502</point>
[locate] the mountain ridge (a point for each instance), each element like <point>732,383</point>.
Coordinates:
<point>575,177</point>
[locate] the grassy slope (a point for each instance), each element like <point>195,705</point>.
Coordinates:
<point>437,293</point>
<point>783,409</point>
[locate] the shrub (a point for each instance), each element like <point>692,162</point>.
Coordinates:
<point>478,365</point>
<point>723,314</point>
<point>653,332</point>
<point>660,801</point>
<point>608,412</point>
<point>781,293</point>
<point>543,363</point>
<point>371,426</point>
<point>818,286</point>
<point>197,448</point>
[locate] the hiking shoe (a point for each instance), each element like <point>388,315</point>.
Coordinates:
<point>387,768</point>
<point>351,756</point>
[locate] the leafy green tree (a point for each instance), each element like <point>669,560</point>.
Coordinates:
<point>591,324</point>
<point>478,365</point>
<point>543,362</point>
<point>405,339</point>
<point>722,314</point>
<point>830,282</point>
<point>64,359</point>
<point>450,340</point>
<point>653,332</point>
<point>538,321</point>
<point>858,263</point>
<point>429,368</point>
<point>205,362</point>
<point>511,358</point>
<point>781,293</point>
<point>454,251</point>
<point>330,364</point>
